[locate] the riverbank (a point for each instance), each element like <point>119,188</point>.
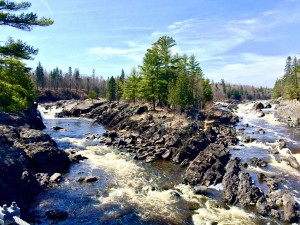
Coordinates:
<point>29,158</point>
<point>289,112</point>
<point>200,142</point>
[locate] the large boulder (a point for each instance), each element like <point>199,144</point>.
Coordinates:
<point>238,185</point>
<point>258,106</point>
<point>208,168</point>
<point>17,182</point>
<point>43,153</point>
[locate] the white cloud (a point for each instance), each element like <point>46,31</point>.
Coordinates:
<point>251,69</point>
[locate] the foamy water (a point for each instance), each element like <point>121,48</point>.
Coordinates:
<point>128,191</point>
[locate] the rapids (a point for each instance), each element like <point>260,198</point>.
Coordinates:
<point>133,192</point>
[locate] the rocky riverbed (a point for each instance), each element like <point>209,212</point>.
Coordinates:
<point>202,143</point>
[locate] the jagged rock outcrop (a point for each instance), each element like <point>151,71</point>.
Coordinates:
<point>208,167</point>
<point>27,157</point>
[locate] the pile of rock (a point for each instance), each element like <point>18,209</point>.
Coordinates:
<point>28,157</point>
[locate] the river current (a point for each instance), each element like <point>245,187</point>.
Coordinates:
<point>134,192</point>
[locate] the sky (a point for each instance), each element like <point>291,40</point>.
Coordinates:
<point>240,41</point>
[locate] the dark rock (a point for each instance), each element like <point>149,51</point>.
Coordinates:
<point>56,214</point>
<point>258,162</point>
<point>268,106</point>
<point>247,192</point>
<point>44,155</point>
<point>208,167</point>
<point>258,106</point>
<point>260,114</point>
<point>80,179</point>
<point>17,182</point>
<point>90,179</point>
<point>231,180</point>
<point>57,128</point>
<point>141,110</point>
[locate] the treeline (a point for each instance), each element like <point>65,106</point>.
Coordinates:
<point>288,87</point>
<point>164,79</point>
<point>71,82</point>
<point>225,91</point>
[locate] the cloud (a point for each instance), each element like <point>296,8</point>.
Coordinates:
<point>251,69</point>
<point>132,53</point>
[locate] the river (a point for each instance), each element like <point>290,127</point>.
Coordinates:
<point>133,192</point>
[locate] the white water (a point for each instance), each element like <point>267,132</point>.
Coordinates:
<point>128,191</point>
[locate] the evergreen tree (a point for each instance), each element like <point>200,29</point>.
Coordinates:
<point>39,75</point>
<point>111,89</point>
<point>131,86</point>
<point>14,74</point>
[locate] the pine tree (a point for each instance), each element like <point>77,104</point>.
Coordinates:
<point>14,74</point>
<point>131,86</point>
<point>111,89</point>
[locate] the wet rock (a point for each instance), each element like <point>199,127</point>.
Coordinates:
<point>150,159</point>
<point>55,178</point>
<point>258,106</point>
<point>260,114</point>
<point>87,179</point>
<point>57,128</point>
<point>268,106</point>
<point>56,214</point>
<point>247,139</point>
<point>200,190</point>
<point>258,162</point>
<point>281,144</point>
<point>208,167</point>
<point>90,179</point>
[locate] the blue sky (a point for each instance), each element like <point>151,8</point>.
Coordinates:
<point>241,41</point>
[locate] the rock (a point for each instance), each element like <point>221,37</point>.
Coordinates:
<point>80,179</point>
<point>57,128</point>
<point>268,106</point>
<point>168,154</point>
<point>274,213</point>
<point>262,207</point>
<point>44,155</point>
<point>141,110</point>
<point>290,208</point>
<point>55,178</point>
<point>90,179</point>
<point>231,181</point>
<point>260,114</point>
<point>200,190</point>
<point>43,179</point>
<point>208,167</point>
<point>56,214</point>
<point>258,162</point>
<point>247,192</point>
<point>258,106</point>
<point>17,181</point>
